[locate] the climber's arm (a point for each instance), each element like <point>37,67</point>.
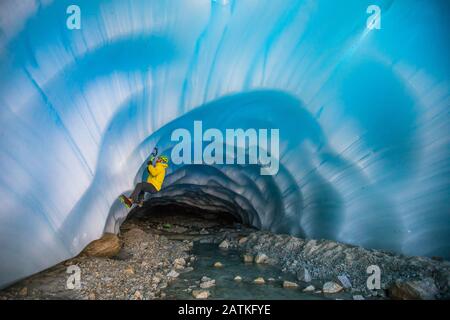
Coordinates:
<point>152,170</point>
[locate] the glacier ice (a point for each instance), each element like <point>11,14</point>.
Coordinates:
<point>363,118</point>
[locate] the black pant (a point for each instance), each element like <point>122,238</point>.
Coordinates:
<point>141,189</point>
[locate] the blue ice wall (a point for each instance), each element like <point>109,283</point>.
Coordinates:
<point>363,118</point>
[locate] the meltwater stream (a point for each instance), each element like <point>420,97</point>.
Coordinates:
<point>227,288</point>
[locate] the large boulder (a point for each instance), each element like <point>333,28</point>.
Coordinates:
<point>107,246</point>
<point>414,290</point>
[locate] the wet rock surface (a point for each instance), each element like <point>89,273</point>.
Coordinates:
<point>172,256</point>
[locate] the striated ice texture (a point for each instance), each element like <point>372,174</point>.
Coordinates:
<point>363,118</point>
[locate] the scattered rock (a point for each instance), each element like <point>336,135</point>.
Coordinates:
<point>153,260</point>
<point>304,275</point>
<point>271,279</point>
<point>414,290</point>
<point>156,280</point>
<point>289,284</point>
<point>137,295</point>
<point>345,281</point>
<point>218,264</point>
<point>23,292</point>
<point>358,297</point>
<point>129,271</point>
<point>243,240</point>
<point>208,284</point>
<point>224,244</point>
<point>162,285</point>
<point>144,260</point>
<point>443,283</point>
<point>108,246</point>
<point>326,259</point>
<point>179,263</point>
<point>331,287</point>
<point>261,258</point>
<point>309,288</point>
<point>200,294</point>
<point>259,280</point>
<point>173,274</point>
<point>188,269</point>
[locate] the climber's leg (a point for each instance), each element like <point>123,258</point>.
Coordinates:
<point>145,187</point>
<point>136,194</point>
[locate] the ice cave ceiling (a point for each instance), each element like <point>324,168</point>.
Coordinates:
<point>363,117</point>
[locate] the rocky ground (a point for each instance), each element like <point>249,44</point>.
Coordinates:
<point>337,264</point>
<point>140,270</point>
<point>152,252</point>
<point>137,264</point>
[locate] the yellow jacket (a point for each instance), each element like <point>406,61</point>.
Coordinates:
<point>157,174</point>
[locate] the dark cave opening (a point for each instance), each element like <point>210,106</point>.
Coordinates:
<point>175,213</point>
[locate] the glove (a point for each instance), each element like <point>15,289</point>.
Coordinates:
<point>152,158</point>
